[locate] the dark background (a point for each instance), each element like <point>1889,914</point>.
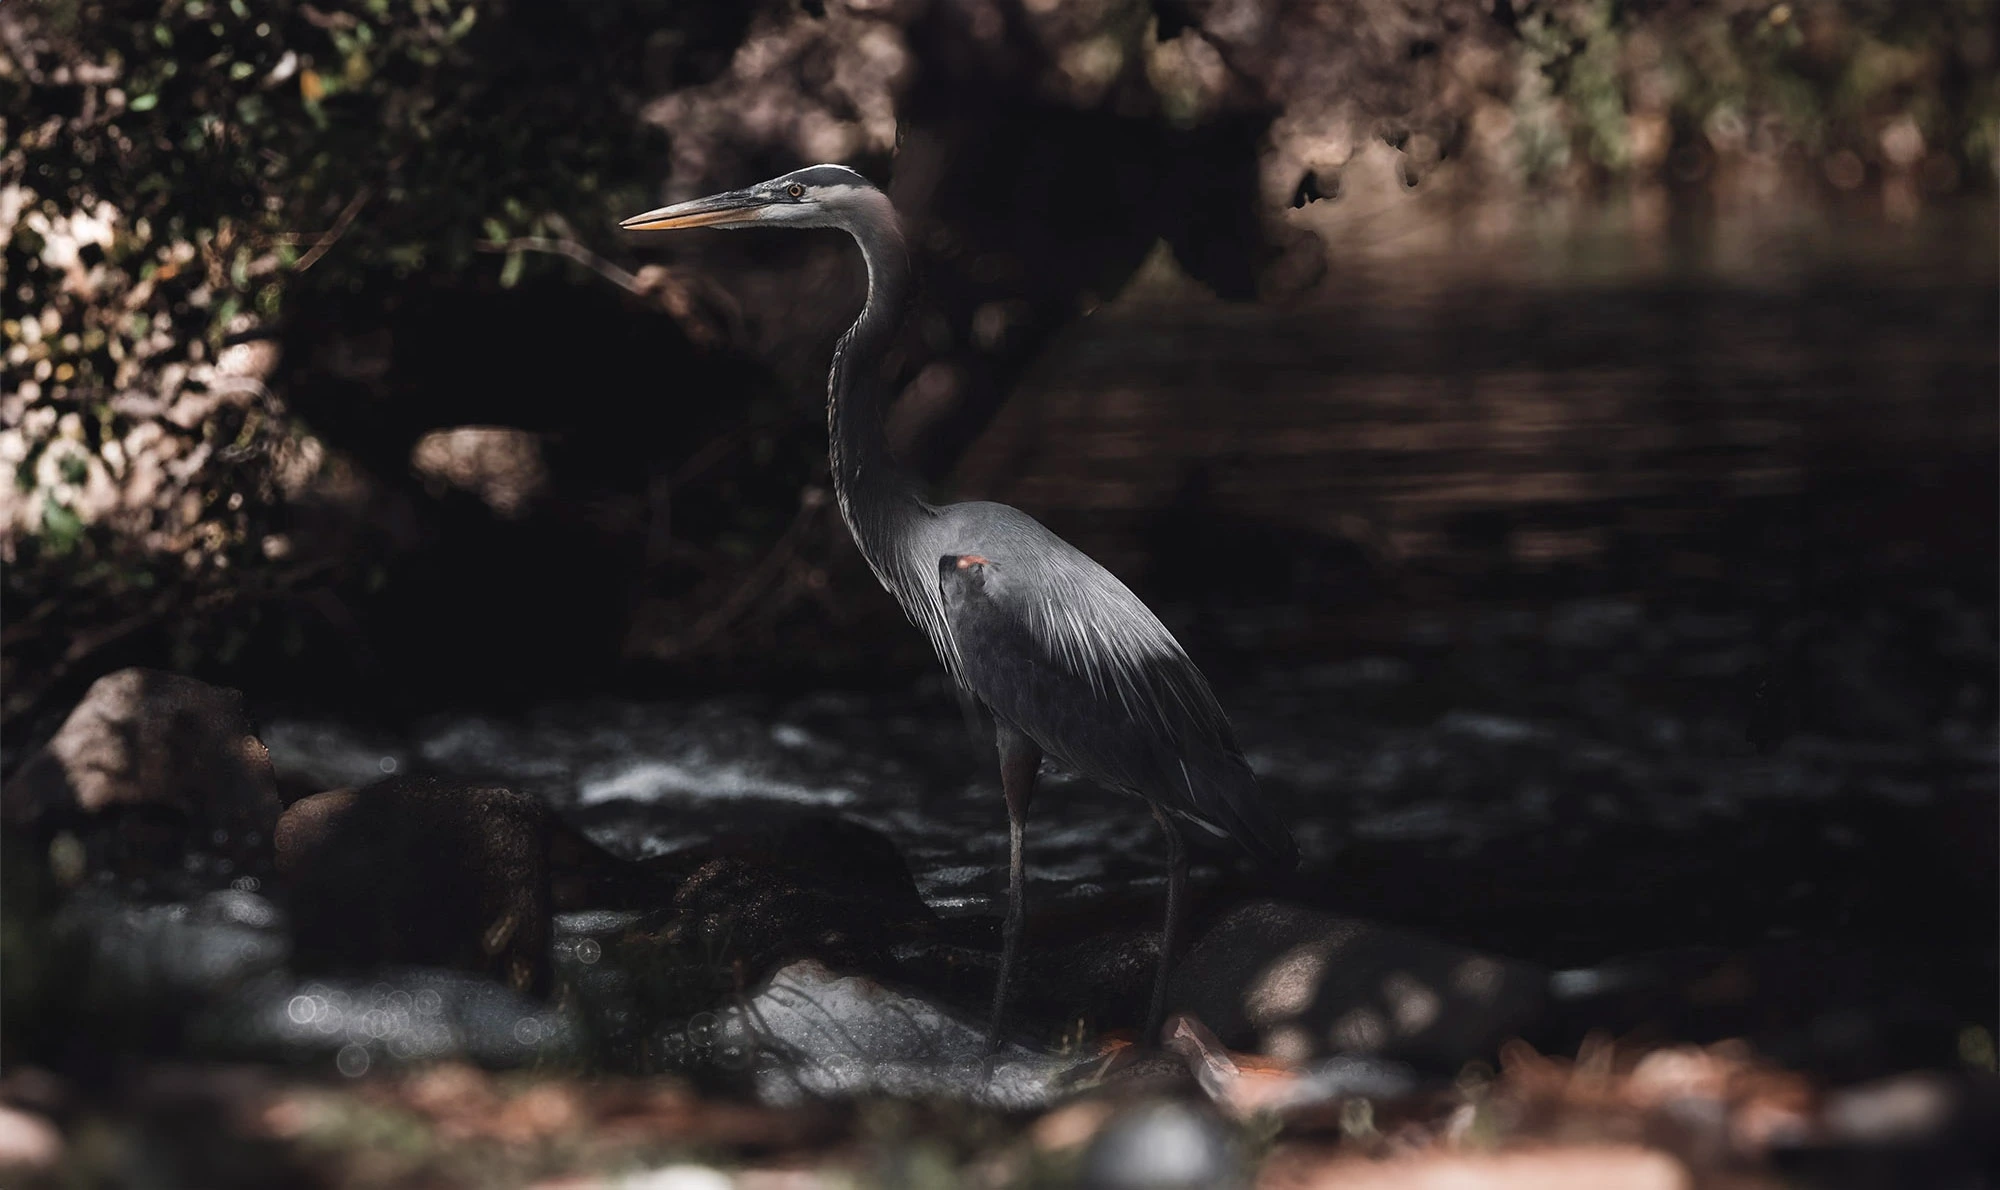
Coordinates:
<point>1564,431</point>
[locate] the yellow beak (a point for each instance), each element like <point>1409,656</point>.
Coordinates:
<point>717,210</point>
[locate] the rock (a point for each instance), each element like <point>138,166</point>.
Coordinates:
<point>37,1090</point>
<point>1084,958</point>
<point>584,876</point>
<point>395,1017</point>
<point>420,872</point>
<point>1923,1128</point>
<point>1838,1007</point>
<point>1163,1146</point>
<point>734,909</point>
<point>1908,1109</point>
<point>1106,975</point>
<point>111,975</point>
<point>141,737</point>
<point>622,979</point>
<point>35,980</point>
<point>304,831</point>
<point>1299,984</point>
<point>808,1032</point>
<point>818,886</point>
<point>28,1143</point>
<point>140,955</point>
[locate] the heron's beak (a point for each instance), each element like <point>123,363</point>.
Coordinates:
<point>717,210</point>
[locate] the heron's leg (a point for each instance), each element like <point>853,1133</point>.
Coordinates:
<point>1020,760</point>
<point>1170,934</point>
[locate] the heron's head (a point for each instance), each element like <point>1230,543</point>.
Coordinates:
<point>816,196</point>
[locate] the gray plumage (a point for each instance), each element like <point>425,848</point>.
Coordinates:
<point>1062,651</point>
<point>1068,660</point>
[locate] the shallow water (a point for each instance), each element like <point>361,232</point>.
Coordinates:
<point>1575,592</point>
<point>1366,754</point>
<point>1576,612</point>
<point>1577,788</point>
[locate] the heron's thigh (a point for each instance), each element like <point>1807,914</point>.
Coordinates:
<point>1020,760</point>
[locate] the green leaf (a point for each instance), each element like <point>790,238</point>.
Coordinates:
<point>144,103</point>
<point>511,271</point>
<point>61,527</point>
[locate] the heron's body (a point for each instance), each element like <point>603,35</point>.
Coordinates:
<point>1067,659</point>
<point>1057,648</point>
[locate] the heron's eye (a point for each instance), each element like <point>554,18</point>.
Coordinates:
<point>796,190</point>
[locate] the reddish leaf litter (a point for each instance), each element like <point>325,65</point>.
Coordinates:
<point>1617,1116</point>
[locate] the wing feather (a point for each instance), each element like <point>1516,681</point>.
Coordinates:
<point>1053,643</point>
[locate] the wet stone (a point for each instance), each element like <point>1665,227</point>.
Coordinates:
<point>1301,984</point>
<point>28,1142</point>
<point>817,886</point>
<point>398,1017</point>
<point>152,956</point>
<point>420,872</point>
<point>584,876</point>
<point>810,1033</point>
<point>1163,1146</point>
<point>1108,976</point>
<point>623,978</point>
<point>802,886</point>
<point>1912,1129</point>
<point>145,739</point>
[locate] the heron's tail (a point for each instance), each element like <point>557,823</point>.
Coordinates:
<point>1227,799</point>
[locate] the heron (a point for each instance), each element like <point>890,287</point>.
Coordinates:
<point>1068,663</point>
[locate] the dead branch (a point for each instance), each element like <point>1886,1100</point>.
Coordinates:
<point>339,228</point>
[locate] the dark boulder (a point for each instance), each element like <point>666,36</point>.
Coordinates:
<point>815,886</point>
<point>146,740</point>
<point>420,872</point>
<point>1090,959</point>
<point>583,875</point>
<point>1302,984</point>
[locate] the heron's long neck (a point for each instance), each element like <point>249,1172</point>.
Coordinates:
<point>877,497</point>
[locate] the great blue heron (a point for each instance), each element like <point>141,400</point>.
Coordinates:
<point>1068,661</point>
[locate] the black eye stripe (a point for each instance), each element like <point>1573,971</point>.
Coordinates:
<point>828,175</point>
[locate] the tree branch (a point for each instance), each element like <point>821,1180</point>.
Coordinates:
<point>339,228</point>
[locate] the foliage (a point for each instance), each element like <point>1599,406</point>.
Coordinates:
<point>1664,88</point>
<point>173,176</point>
<point>177,178</point>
